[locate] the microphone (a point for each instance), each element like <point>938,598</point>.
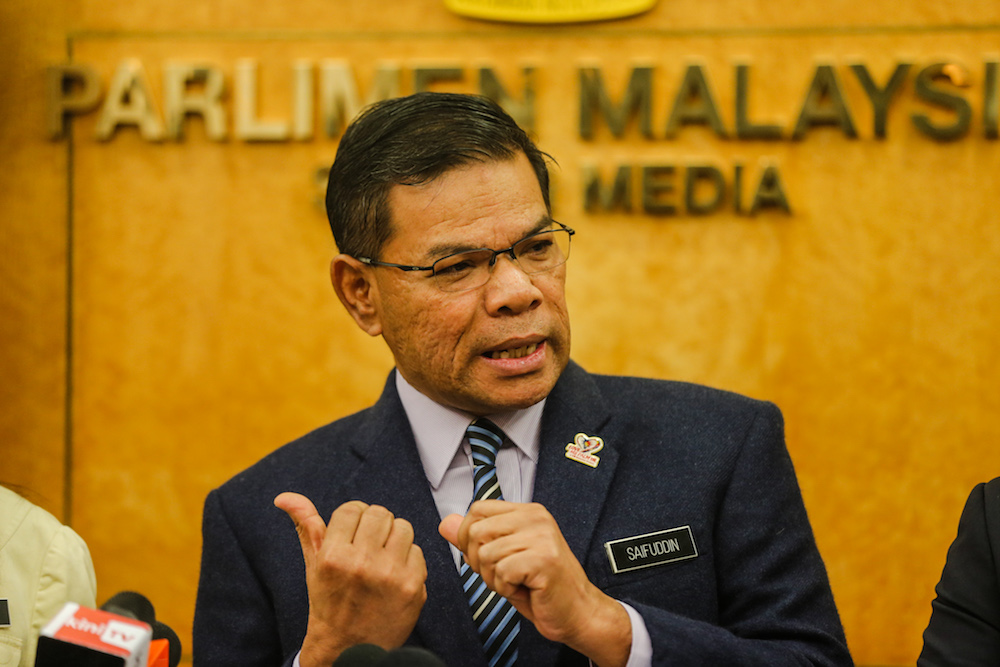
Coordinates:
<point>123,632</point>
<point>369,655</point>
<point>165,646</point>
<point>361,655</point>
<point>92,638</point>
<point>409,656</point>
<point>131,604</point>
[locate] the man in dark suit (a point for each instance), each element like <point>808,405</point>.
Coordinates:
<point>965,616</point>
<point>619,520</point>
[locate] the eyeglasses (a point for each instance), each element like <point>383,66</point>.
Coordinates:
<point>535,253</point>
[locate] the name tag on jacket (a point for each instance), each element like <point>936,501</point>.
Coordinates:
<point>651,549</point>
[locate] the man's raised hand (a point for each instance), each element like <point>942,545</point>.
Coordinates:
<point>521,554</point>
<point>365,577</point>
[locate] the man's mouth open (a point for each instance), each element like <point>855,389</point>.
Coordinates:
<point>514,352</point>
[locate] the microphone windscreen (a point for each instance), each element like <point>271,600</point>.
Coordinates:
<point>362,655</point>
<point>131,604</point>
<point>369,655</point>
<point>410,656</point>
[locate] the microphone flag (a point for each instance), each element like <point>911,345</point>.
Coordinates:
<point>86,637</point>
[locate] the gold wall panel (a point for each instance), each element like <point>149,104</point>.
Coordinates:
<point>203,332</point>
<point>33,303</point>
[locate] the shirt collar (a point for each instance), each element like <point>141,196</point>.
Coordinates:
<point>439,430</point>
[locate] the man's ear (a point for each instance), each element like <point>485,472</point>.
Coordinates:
<point>352,281</point>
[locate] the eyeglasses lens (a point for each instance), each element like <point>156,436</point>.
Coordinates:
<point>468,270</point>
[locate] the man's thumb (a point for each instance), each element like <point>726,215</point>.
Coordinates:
<point>308,523</point>
<point>448,528</point>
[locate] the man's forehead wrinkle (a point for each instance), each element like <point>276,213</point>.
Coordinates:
<point>433,187</point>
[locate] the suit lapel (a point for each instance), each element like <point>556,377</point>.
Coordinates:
<point>574,493</point>
<point>391,474</point>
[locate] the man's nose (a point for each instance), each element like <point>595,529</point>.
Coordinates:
<point>509,288</point>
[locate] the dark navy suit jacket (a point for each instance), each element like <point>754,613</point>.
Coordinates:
<point>675,455</point>
<point>965,619</point>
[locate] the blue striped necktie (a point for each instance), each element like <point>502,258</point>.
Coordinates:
<point>496,619</point>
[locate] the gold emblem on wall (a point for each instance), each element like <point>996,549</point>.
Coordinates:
<point>548,11</point>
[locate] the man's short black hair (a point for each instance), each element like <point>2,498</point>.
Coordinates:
<point>408,141</point>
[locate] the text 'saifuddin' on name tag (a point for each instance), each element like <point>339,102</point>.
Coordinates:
<point>651,549</point>
<point>4,614</point>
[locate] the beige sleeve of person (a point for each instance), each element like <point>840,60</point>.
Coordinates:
<point>66,575</point>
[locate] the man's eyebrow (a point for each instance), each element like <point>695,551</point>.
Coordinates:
<point>440,250</point>
<point>544,223</point>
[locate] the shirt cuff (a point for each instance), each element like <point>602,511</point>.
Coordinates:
<point>641,654</point>
<point>295,662</point>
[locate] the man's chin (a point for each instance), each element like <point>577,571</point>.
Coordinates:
<point>506,395</point>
